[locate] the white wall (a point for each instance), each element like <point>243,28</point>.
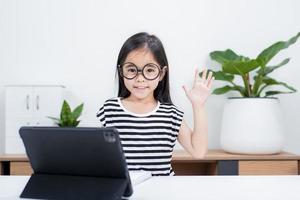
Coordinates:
<point>76,43</point>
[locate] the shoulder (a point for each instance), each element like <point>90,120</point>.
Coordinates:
<point>169,107</point>
<point>109,103</point>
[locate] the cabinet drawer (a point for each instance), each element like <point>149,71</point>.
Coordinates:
<point>276,167</point>
<point>18,102</point>
<point>20,168</point>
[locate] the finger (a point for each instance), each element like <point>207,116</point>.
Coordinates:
<point>208,78</point>
<point>210,82</point>
<point>196,76</point>
<point>204,75</point>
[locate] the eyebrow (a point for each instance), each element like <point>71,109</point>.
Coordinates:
<point>143,65</point>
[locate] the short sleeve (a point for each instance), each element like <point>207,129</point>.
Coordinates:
<point>178,117</point>
<point>101,116</point>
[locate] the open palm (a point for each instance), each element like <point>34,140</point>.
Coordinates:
<point>201,88</point>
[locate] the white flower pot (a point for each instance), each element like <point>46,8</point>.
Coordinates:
<point>252,126</point>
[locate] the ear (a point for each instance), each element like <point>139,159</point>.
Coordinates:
<point>163,73</point>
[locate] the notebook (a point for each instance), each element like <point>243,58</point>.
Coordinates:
<point>138,177</point>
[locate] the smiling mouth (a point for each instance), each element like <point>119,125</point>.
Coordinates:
<point>139,87</point>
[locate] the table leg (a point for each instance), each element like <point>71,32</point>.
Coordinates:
<point>4,168</point>
<point>228,167</point>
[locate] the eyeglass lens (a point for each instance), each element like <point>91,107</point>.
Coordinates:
<point>150,71</point>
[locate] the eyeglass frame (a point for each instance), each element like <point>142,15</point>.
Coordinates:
<point>139,71</point>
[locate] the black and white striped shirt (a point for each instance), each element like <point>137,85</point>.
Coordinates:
<point>147,139</point>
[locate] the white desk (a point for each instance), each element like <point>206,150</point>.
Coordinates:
<point>193,187</point>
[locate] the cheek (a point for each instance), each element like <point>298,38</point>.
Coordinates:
<point>154,84</point>
<point>128,83</point>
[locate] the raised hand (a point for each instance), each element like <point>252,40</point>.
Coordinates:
<point>201,88</point>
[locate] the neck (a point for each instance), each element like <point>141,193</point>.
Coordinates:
<point>146,100</point>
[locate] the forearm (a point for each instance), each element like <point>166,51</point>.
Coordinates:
<point>199,135</point>
<point>197,141</point>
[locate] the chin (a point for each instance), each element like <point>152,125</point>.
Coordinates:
<point>140,95</point>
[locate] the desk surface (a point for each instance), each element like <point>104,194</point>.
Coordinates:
<point>181,155</point>
<point>193,187</point>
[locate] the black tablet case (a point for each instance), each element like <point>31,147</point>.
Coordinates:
<point>75,163</point>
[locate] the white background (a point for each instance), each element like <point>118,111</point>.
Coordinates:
<point>76,44</point>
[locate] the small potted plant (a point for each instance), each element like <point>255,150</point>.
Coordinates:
<point>251,123</point>
<point>68,118</point>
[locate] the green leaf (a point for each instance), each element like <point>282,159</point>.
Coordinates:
<point>222,90</point>
<point>77,111</point>
<point>233,63</point>
<point>257,84</point>
<point>228,88</point>
<point>57,121</point>
<point>54,118</point>
<point>221,76</point>
<point>65,111</point>
<point>240,67</point>
<point>68,118</point>
<point>266,55</point>
<point>223,57</point>
<point>271,81</point>
<point>75,123</point>
<point>266,70</point>
<point>271,93</point>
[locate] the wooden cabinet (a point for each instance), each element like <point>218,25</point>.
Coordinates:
<point>14,164</point>
<point>20,168</point>
<point>216,162</point>
<point>28,106</point>
<point>277,167</point>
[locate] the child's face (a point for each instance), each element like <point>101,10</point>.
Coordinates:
<point>139,86</point>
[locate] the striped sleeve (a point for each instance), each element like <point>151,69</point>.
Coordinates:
<point>177,118</point>
<point>101,116</point>
<point>174,114</point>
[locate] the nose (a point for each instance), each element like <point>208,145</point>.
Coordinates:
<point>140,77</point>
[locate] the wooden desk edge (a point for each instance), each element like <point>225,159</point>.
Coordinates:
<point>181,155</point>
<point>13,157</point>
<point>216,154</point>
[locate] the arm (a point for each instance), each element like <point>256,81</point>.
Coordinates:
<point>195,141</point>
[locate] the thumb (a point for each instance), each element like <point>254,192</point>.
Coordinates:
<point>185,89</point>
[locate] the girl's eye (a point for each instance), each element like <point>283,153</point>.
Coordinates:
<point>131,70</point>
<point>150,70</point>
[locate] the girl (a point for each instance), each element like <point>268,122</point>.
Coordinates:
<point>143,113</point>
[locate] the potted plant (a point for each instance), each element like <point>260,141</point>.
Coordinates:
<point>68,118</point>
<point>251,123</point>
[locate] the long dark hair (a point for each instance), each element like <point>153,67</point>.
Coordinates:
<point>151,42</point>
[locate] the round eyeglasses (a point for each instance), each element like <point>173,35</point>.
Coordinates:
<point>129,71</point>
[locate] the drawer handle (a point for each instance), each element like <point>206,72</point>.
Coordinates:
<point>37,102</point>
<point>27,102</point>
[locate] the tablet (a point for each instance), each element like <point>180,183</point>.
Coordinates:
<point>75,163</point>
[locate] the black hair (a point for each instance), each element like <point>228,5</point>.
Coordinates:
<point>152,43</point>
